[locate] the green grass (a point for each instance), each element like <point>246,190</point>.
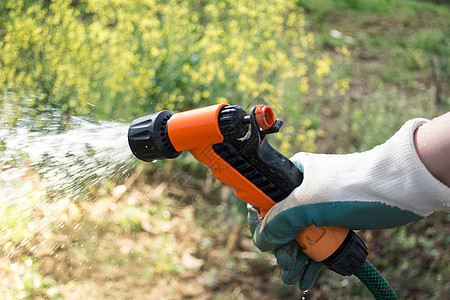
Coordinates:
<point>404,35</point>
<point>399,66</point>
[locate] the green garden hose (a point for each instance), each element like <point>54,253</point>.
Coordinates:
<point>375,282</point>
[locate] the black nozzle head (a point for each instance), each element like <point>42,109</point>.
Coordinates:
<point>148,137</point>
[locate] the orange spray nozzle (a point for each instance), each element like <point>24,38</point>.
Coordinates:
<point>234,146</point>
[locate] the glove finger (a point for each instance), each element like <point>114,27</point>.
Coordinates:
<point>291,278</point>
<point>284,227</point>
<point>310,274</point>
<point>253,218</point>
<point>293,275</point>
<point>287,255</point>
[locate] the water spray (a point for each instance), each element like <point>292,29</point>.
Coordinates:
<point>69,162</point>
<point>42,174</point>
<point>234,145</point>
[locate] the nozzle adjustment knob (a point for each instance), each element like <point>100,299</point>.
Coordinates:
<point>231,122</point>
<point>148,138</point>
<point>265,117</point>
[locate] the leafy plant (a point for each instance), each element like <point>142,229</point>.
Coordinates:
<point>121,59</point>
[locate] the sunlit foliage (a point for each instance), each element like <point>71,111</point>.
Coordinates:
<point>120,59</point>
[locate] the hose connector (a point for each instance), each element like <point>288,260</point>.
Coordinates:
<point>349,257</point>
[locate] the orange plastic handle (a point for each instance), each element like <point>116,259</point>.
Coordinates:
<point>197,131</point>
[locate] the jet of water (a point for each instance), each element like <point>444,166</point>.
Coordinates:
<point>68,164</point>
<point>44,170</point>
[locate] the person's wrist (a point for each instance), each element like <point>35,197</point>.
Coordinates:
<point>433,147</point>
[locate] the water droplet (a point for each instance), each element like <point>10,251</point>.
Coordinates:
<point>13,267</point>
<point>28,262</point>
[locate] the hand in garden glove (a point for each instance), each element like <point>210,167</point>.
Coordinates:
<point>295,266</point>
<point>385,187</point>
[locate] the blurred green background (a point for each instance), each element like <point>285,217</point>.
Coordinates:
<point>343,76</point>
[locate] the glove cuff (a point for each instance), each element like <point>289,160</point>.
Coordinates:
<point>406,180</point>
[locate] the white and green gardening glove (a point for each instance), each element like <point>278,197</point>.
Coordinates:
<point>385,187</point>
